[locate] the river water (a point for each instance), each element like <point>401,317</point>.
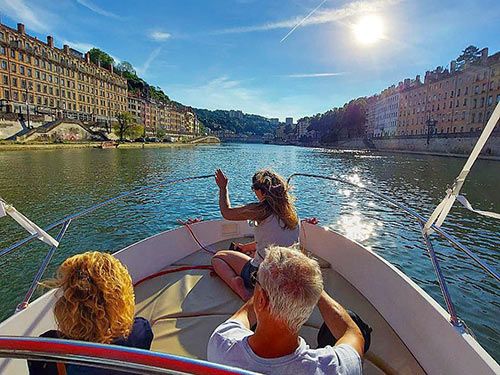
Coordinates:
<point>47,185</point>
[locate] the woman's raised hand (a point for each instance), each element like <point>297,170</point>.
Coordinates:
<point>221,179</point>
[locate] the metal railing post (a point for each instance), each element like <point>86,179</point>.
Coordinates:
<point>41,269</point>
<point>441,281</point>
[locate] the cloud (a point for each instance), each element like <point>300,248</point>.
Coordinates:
<point>97,9</point>
<point>160,36</point>
<point>314,75</point>
<point>319,17</point>
<point>142,70</point>
<point>80,46</point>
<point>35,19</point>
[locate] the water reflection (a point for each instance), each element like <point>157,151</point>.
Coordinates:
<point>356,227</point>
<point>47,185</point>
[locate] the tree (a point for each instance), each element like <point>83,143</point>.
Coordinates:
<point>96,56</point>
<point>126,127</point>
<point>469,55</point>
<point>125,66</point>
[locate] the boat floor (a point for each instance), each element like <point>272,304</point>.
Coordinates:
<point>185,307</point>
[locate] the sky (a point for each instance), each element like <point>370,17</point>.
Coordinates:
<point>276,58</point>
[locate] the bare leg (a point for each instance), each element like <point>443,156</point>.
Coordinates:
<point>228,265</point>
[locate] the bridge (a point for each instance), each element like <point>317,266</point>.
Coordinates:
<point>205,139</point>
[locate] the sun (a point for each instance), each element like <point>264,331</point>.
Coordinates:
<point>369,29</point>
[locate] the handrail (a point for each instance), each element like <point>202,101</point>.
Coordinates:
<point>454,320</point>
<point>452,240</point>
<point>65,222</point>
<point>88,210</point>
<point>118,358</point>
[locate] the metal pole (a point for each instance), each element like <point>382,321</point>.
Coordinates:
<point>41,269</point>
<point>442,282</point>
<point>28,106</point>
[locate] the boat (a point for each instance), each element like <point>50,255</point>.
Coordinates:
<point>178,293</point>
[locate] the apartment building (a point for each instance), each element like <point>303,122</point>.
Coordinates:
<point>451,100</point>
<point>58,82</point>
<point>384,112</point>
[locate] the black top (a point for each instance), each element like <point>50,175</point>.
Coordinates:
<point>140,337</point>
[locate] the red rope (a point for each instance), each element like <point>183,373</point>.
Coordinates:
<point>187,224</point>
<point>178,269</point>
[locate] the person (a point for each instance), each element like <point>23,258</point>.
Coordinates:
<point>289,285</point>
<point>95,303</point>
<point>276,222</point>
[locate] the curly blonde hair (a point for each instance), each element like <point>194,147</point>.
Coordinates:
<point>277,197</point>
<point>97,298</point>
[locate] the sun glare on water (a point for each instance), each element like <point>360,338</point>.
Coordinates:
<point>369,29</point>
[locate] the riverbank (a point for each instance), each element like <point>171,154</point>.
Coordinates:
<point>12,146</point>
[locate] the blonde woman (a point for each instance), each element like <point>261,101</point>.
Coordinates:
<point>95,303</point>
<point>276,223</point>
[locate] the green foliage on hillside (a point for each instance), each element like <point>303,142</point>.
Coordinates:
<point>340,123</point>
<point>235,121</point>
<point>100,57</point>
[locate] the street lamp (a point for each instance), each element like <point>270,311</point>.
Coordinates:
<point>431,125</point>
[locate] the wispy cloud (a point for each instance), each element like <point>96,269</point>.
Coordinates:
<point>319,17</point>
<point>79,46</point>
<point>34,18</point>
<point>142,70</point>
<point>97,9</point>
<point>314,75</point>
<point>159,36</point>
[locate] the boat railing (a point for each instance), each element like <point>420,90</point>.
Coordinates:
<point>113,357</point>
<point>65,222</point>
<point>430,248</point>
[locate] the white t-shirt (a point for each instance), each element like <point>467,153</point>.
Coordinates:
<point>229,346</point>
<point>270,231</point>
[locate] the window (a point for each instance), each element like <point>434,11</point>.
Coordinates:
<point>480,117</point>
<point>20,57</point>
<point>476,91</point>
<point>2,37</point>
<point>21,69</point>
<point>475,103</point>
<point>29,72</point>
<point>458,92</point>
<point>13,68</point>
<point>5,80</point>
<point>2,50</point>
<point>466,90</point>
<point>14,81</point>
<point>465,102</point>
<point>6,94</point>
<point>498,98</point>
<point>4,65</point>
<point>482,102</point>
<point>12,53</point>
<point>473,118</point>
<point>37,74</point>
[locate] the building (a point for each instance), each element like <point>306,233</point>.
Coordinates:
<point>452,100</point>
<point>302,126</point>
<point>274,121</point>
<point>386,111</point>
<point>57,82</point>
<point>289,121</point>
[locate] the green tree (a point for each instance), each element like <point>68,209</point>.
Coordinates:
<point>96,56</point>
<point>126,127</point>
<point>125,66</point>
<point>469,55</point>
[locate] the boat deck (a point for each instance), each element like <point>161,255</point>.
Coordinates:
<point>184,307</point>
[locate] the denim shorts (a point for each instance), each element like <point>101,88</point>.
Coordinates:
<point>248,274</point>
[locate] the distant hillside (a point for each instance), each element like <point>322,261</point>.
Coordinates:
<point>235,121</point>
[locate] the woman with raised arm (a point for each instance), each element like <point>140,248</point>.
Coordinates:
<point>276,223</point>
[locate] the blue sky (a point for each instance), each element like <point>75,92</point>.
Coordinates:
<point>229,54</point>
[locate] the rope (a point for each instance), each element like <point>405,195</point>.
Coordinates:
<point>187,224</point>
<point>178,269</point>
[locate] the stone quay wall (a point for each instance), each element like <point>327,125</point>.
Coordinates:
<point>439,144</point>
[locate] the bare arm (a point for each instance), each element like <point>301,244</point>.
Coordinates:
<point>247,212</point>
<point>246,314</point>
<point>340,323</point>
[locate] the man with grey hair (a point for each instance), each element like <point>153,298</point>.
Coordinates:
<point>289,285</point>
